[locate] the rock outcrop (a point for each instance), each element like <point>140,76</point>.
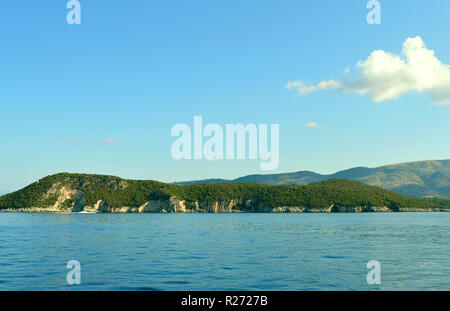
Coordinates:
<point>67,199</point>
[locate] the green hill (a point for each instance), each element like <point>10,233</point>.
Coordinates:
<point>417,179</point>
<point>439,201</point>
<point>78,192</point>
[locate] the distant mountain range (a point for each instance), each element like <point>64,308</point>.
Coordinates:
<point>424,179</point>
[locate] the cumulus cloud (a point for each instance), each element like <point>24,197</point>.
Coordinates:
<point>313,125</point>
<point>109,141</point>
<point>386,76</point>
<point>304,89</point>
<point>59,139</point>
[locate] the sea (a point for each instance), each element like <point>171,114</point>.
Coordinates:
<point>233,252</point>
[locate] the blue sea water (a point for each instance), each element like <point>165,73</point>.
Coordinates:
<point>225,251</point>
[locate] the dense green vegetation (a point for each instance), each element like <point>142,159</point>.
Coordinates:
<point>120,192</point>
<point>439,201</point>
<point>416,179</point>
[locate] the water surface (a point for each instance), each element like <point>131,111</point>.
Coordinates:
<point>225,251</point>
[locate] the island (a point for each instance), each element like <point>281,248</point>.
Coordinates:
<point>88,193</point>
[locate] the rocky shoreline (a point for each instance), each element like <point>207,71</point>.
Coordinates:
<point>174,205</point>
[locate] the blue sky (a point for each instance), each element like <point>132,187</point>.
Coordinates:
<point>131,71</point>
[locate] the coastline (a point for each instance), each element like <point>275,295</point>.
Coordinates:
<point>278,210</point>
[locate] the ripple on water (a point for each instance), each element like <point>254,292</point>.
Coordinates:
<point>225,252</point>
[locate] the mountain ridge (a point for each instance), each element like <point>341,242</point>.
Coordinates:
<point>420,179</point>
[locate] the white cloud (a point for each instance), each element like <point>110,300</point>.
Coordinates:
<point>304,89</point>
<point>110,141</point>
<point>313,125</point>
<point>386,76</point>
<point>59,139</point>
